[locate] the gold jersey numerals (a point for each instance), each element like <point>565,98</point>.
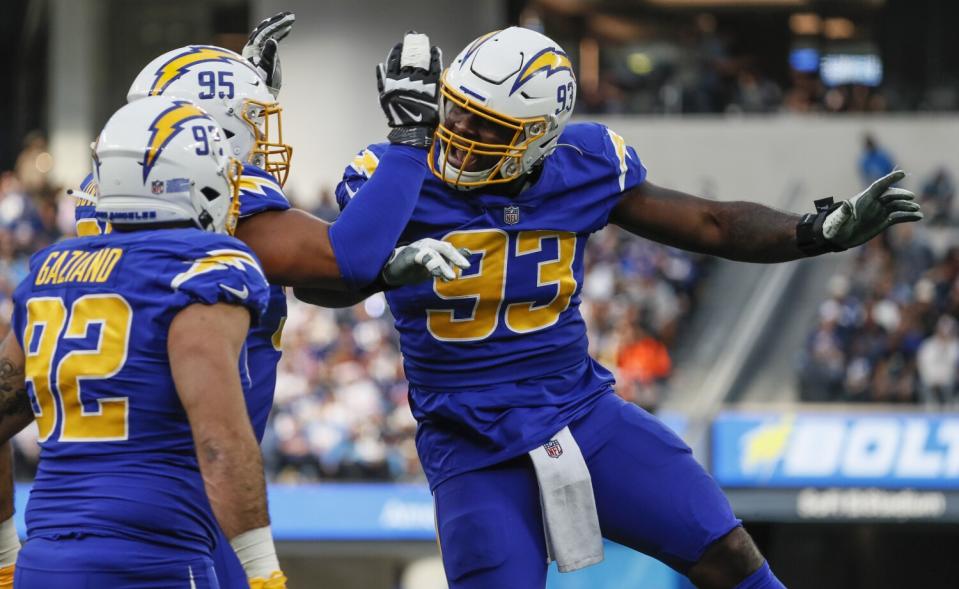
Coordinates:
<point>486,288</point>
<point>43,334</point>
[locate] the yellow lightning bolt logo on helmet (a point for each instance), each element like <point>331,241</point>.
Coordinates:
<point>181,63</point>
<point>165,127</point>
<point>217,260</point>
<point>548,60</point>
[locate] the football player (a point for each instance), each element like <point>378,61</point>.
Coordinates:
<point>146,445</point>
<point>236,95</point>
<point>519,428</point>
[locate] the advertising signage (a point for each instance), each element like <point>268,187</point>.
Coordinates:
<point>823,450</point>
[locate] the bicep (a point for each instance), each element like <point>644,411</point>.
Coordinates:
<point>293,246</point>
<point>204,344</point>
<point>669,216</point>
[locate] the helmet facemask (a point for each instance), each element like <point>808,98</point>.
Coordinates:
<point>269,152</point>
<point>234,170</point>
<point>507,160</point>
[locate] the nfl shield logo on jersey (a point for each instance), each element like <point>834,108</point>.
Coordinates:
<point>157,187</point>
<point>553,449</point>
<point>511,215</point>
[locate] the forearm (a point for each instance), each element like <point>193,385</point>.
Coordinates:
<point>743,231</point>
<point>333,299</point>
<point>232,469</point>
<point>204,345</point>
<point>6,481</point>
<point>15,414</point>
<point>752,232</point>
<point>15,410</point>
<point>367,231</point>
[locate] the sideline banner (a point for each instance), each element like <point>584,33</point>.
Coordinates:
<point>891,451</point>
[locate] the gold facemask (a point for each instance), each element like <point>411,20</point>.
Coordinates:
<point>506,169</point>
<point>234,170</point>
<point>272,154</point>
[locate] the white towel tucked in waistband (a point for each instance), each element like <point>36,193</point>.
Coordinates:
<point>573,538</point>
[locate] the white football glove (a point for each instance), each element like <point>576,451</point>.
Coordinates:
<point>262,46</point>
<point>424,259</point>
<point>870,212</point>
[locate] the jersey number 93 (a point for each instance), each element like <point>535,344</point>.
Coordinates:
<point>487,288</point>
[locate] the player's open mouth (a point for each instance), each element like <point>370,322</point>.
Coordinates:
<point>457,157</point>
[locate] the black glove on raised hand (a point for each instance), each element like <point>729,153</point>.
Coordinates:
<point>408,84</point>
<point>261,48</point>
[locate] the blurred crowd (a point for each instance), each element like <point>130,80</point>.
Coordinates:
<point>887,332</point>
<point>696,70</point>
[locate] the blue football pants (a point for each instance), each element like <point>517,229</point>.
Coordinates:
<point>99,562</point>
<point>651,495</point>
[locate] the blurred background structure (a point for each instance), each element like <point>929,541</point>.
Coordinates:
<point>822,394</point>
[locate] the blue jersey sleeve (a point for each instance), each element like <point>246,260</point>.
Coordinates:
<point>356,174</point>
<point>219,269</point>
<point>259,192</point>
<point>599,167</point>
<point>627,167</point>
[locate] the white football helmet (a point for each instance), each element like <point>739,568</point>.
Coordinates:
<point>515,80</point>
<point>164,160</point>
<point>226,86</point>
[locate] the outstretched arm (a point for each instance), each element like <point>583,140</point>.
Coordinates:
<point>751,232</point>
<point>744,231</point>
<point>298,249</point>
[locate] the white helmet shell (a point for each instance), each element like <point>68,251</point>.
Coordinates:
<point>521,77</point>
<point>225,85</point>
<point>163,160</point>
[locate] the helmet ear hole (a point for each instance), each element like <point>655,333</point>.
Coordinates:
<point>210,193</point>
<point>205,219</point>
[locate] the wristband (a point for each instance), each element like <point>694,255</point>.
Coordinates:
<point>9,543</point>
<point>412,136</point>
<point>256,552</point>
<point>809,236</point>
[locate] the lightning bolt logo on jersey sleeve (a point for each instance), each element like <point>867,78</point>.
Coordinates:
<point>359,170</point>
<point>259,192</point>
<point>231,275</point>
<point>631,171</point>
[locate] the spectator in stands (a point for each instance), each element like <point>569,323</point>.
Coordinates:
<point>875,162</point>
<point>938,361</point>
<point>643,366</point>
<point>937,196</point>
<point>822,367</point>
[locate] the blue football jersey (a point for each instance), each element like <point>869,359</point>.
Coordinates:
<point>116,450</point>
<point>259,192</point>
<point>497,359</point>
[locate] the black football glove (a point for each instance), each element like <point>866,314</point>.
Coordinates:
<point>261,48</point>
<point>408,84</point>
